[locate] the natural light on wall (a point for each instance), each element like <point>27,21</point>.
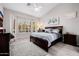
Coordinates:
<point>40,25</point>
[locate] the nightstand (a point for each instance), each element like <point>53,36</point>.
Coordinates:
<point>70,39</point>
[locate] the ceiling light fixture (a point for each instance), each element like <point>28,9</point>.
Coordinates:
<point>38,8</point>
<point>35,6</point>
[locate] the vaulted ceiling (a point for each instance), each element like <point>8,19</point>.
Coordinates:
<point>28,8</point>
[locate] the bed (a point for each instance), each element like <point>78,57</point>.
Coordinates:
<point>47,39</point>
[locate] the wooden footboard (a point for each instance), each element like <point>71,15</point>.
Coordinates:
<point>43,43</point>
<point>40,42</point>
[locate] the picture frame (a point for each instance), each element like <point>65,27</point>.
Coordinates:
<point>54,21</point>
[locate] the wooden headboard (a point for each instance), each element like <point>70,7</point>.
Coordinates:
<point>56,27</point>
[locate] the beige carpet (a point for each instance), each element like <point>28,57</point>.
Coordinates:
<point>23,47</point>
<point>61,49</point>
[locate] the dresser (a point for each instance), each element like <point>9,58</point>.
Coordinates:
<point>70,39</point>
<point>4,43</point>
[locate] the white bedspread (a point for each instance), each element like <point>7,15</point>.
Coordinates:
<point>50,37</point>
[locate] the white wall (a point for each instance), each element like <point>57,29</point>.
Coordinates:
<point>6,21</point>
<point>65,11</point>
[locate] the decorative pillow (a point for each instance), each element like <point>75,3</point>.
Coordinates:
<point>47,30</point>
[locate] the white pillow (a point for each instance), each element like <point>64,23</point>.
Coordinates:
<point>55,30</point>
